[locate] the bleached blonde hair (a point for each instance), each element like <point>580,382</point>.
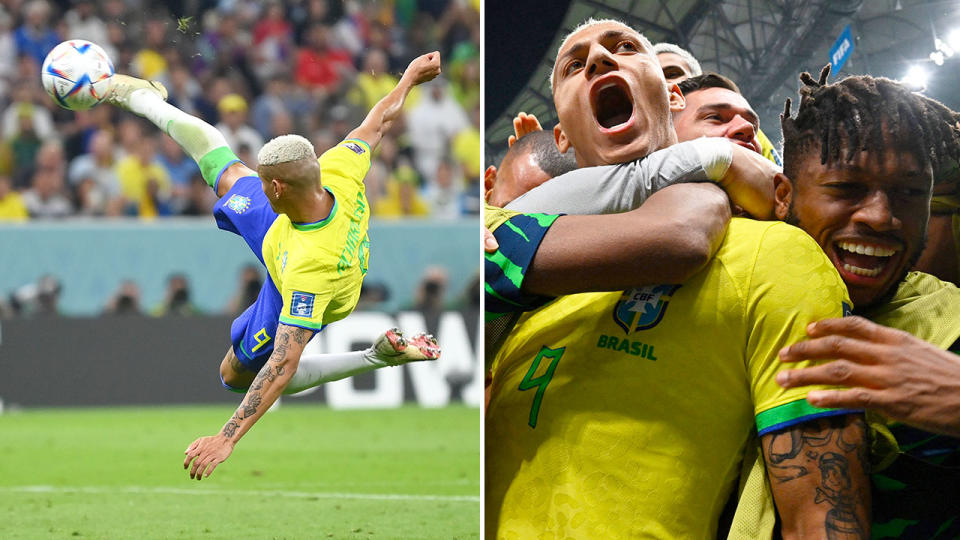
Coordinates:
<point>692,63</point>
<point>284,149</point>
<point>587,24</point>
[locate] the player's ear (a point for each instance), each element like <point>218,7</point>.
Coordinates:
<point>489,179</point>
<point>277,188</point>
<point>782,195</point>
<point>677,101</point>
<point>563,144</point>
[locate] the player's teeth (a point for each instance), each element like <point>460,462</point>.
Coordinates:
<point>862,271</point>
<point>875,251</point>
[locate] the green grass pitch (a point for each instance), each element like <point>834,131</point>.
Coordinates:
<point>304,471</point>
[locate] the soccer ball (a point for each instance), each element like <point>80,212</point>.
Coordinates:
<point>77,74</point>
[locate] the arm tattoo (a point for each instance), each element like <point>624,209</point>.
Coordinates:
<point>230,429</point>
<point>816,446</point>
<point>275,367</point>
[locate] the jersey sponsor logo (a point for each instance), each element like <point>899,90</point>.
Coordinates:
<point>301,304</point>
<point>359,150</point>
<point>238,203</point>
<point>642,308</point>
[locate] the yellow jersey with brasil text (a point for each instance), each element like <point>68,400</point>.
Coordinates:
<point>626,414</point>
<point>319,267</point>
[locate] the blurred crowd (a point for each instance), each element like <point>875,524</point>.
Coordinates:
<point>255,70</point>
<point>431,297</point>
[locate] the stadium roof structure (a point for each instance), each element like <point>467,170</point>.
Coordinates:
<point>762,45</point>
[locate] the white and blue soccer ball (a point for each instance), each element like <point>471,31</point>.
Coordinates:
<point>77,74</point>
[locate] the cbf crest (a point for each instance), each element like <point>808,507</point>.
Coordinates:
<point>643,308</point>
<point>238,203</point>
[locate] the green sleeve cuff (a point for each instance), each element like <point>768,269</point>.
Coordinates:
<point>214,162</point>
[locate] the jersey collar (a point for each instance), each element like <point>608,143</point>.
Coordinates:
<point>318,224</point>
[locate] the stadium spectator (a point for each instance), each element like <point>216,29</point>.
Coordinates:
<point>248,287</point>
<point>11,203</point>
<point>176,299</point>
<point>125,301</point>
<point>38,299</point>
<point>35,37</point>
<point>430,297</point>
<point>374,81</point>
<point>18,152</point>
<point>233,117</point>
<point>45,198</point>
<point>144,182</point>
<point>24,103</point>
<point>8,54</point>
<point>244,48</point>
<point>84,23</point>
<point>272,42</point>
<point>184,90</point>
<point>271,102</point>
<point>402,197</point>
<point>443,195</point>
<point>181,170</point>
<point>467,147</point>
<point>149,62</point>
<point>432,125</point>
<point>319,66</point>
<point>93,178</point>
<point>232,109</point>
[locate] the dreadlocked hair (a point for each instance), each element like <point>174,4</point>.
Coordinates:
<point>864,113</point>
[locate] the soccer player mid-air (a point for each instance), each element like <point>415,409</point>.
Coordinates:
<point>306,220</point>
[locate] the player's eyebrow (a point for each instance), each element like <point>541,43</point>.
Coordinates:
<point>747,114</point>
<point>578,48</point>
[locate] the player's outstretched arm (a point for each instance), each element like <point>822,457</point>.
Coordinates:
<point>208,452</point>
<point>656,243</point>
<point>819,474</point>
<point>422,69</point>
<point>889,370</point>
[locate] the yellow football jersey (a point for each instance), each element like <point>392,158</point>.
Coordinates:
<point>318,267</point>
<point>625,415</point>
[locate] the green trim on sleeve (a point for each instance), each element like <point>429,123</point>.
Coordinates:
<point>359,141</point>
<point>789,413</point>
<point>302,323</point>
<point>214,162</point>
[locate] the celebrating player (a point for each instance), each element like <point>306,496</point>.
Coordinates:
<point>306,220</point>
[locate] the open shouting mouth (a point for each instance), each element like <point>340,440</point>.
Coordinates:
<point>612,104</point>
<point>864,262</point>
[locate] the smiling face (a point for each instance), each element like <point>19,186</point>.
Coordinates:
<point>611,97</point>
<point>718,112</point>
<point>869,215</point>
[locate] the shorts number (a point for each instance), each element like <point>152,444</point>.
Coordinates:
<point>262,339</point>
<point>541,382</point>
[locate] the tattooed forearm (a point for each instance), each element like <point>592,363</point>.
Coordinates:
<point>270,381</point>
<point>230,429</point>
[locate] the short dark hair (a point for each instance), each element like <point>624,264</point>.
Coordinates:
<point>707,80</point>
<point>864,113</point>
<point>545,153</point>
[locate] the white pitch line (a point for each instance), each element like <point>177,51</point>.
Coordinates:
<point>239,492</point>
